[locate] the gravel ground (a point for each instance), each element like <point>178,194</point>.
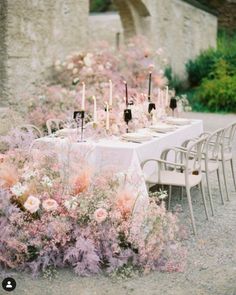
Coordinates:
<point>211,262</point>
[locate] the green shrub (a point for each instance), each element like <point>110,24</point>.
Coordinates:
<point>99,5</point>
<point>219,92</point>
<point>212,77</point>
<point>173,81</point>
<point>202,67</point>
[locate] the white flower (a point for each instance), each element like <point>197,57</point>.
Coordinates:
<point>75,71</point>
<point>108,65</point>
<point>69,57</point>
<point>88,60</point>
<point>32,204</point>
<point>42,97</point>
<point>57,63</point>
<point>71,204</point>
<point>159,51</point>
<point>46,181</point>
<point>165,60</point>
<point>100,67</point>
<point>70,66</point>
<point>29,174</point>
<point>18,189</point>
<point>50,205</point>
<point>162,195</point>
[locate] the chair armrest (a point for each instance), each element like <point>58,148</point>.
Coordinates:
<point>160,161</point>
<point>176,149</point>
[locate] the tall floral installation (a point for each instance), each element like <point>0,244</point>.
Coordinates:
<point>89,221</point>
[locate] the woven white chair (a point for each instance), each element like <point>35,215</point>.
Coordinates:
<point>31,128</point>
<point>54,125</point>
<point>226,154</point>
<point>184,171</point>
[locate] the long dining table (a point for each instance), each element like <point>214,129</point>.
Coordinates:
<point>121,157</point>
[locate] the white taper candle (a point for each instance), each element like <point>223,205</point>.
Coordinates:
<point>83,97</point>
<point>110,97</point>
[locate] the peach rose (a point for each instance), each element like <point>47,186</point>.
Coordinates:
<point>32,204</point>
<point>50,205</point>
<point>100,215</point>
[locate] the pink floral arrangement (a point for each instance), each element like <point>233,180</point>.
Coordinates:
<point>95,68</point>
<point>88,223</point>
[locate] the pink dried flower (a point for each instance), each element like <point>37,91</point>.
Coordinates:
<point>125,203</point>
<point>8,175</point>
<point>82,181</point>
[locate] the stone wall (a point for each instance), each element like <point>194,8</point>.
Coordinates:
<point>3,51</point>
<point>104,26</point>
<point>38,32</point>
<point>182,30</point>
<point>34,33</point>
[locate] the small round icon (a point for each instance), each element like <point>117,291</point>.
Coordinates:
<point>9,284</point>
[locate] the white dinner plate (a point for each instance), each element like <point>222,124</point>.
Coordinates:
<point>162,128</point>
<point>136,137</point>
<point>148,132</point>
<point>66,132</point>
<point>178,121</point>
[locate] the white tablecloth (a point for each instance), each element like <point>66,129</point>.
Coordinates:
<point>122,157</point>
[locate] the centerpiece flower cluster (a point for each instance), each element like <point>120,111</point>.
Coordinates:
<point>88,222</point>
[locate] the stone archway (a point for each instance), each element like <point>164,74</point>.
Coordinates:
<point>133,14</point>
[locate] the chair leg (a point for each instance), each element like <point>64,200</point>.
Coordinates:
<point>209,191</point>
<point>220,186</point>
<point>204,200</point>
<point>225,181</point>
<point>169,199</point>
<point>233,172</point>
<point>191,210</point>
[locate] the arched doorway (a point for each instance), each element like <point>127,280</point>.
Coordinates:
<point>133,14</point>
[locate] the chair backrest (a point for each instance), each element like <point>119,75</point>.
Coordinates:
<point>212,146</point>
<point>54,125</point>
<point>193,159</point>
<point>228,137</point>
<point>31,129</point>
